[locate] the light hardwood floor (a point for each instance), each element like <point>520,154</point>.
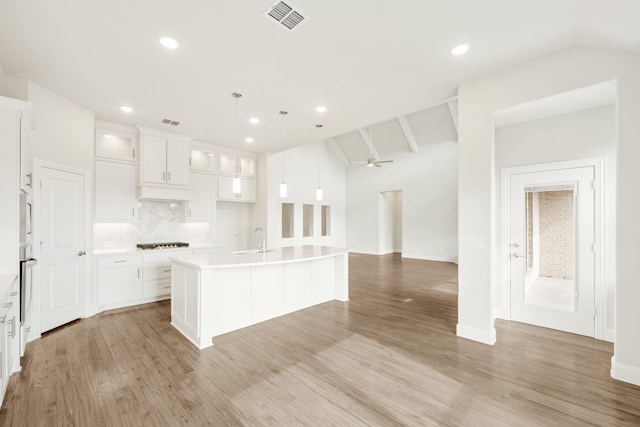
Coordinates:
<point>388,357</point>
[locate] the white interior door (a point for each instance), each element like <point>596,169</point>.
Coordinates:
<point>62,240</point>
<point>552,241</point>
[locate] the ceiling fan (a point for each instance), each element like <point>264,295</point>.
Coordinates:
<point>371,161</point>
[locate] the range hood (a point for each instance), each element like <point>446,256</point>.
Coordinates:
<point>163,192</point>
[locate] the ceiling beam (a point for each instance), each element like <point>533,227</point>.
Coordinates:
<point>408,134</point>
<point>338,152</point>
<point>364,134</point>
<point>453,110</point>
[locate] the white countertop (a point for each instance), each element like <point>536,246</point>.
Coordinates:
<point>277,256</point>
<point>6,280</point>
<point>140,251</point>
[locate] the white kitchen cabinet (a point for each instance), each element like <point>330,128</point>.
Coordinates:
<point>119,280</point>
<point>248,190</point>
<point>115,141</point>
<point>242,165</point>
<point>115,192</point>
<point>157,274</point>
<point>163,161</point>
<point>9,335</point>
<point>202,205</point>
<point>203,160</point>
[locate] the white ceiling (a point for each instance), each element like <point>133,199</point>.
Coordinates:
<point>367,61</point>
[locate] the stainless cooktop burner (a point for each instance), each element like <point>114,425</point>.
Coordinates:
<point>167,245</point>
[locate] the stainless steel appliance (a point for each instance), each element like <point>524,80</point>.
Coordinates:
<point>27,262</point>
<point>25,219</point>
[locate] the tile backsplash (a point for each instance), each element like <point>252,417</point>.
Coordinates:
<point>164,222</point>
<point>157,222</point>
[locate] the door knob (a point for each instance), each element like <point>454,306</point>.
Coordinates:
<point>517,255</point>
<point>81,253</point>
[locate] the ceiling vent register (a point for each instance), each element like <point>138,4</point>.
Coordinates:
<point>170,122</point>
<point>285,16</point>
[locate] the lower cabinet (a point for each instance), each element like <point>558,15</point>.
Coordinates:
<point>156,275</point>
<point>119,280</point>
<point>135,278</point>
<point>9,335</point>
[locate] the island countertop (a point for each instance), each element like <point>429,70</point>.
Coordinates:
<point>276,256</point>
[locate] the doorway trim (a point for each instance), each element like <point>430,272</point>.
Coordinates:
<point>600,297</point>
<point>38,165</point>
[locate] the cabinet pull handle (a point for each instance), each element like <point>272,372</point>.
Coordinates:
<point>27,329</point>
<point>189,161</point>
<point>189,213</point>
<point>169,173</point>
<point>138,273</point>
<point>167,271</point>
<point>13,327</point>
<point>7,305</point>
<point>134,153</point>
<point>13,294</point>
<point>120,260</point>
<point>166,287</point>
<point>133,212</point>
<point>164,176</point>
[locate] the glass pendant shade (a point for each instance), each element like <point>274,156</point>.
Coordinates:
<point>283,190</point>
<point>236,186</point>
<point>319,194</point>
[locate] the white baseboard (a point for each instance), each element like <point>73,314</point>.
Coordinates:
<point>475,334</point>
<point>626,373</point>
<point>363,252</point>
<point>430,257</point>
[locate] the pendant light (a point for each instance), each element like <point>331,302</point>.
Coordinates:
<point>236,185</point>
<point>283,185</point>
<point>319,189</point>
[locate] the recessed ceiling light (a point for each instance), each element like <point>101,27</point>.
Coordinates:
<point>321,109</point>
<point>254,120</point>
<point>108,136</point>
<point>126,109</point>
<point>169,43</point>
<point>460,49</point>
<point>249,140</point>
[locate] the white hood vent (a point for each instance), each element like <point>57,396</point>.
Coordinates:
<point>285,16</point>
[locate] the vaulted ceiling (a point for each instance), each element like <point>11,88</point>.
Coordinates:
<point>369,62</point>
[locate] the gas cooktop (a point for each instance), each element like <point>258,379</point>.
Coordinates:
<point>168,245</point>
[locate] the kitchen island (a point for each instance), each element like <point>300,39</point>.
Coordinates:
<point>216,293</point>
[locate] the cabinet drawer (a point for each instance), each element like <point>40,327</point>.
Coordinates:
<point>156,288</point>
<point>118,261</point>
<point>157,272</point>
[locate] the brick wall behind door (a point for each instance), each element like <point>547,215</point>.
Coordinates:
<point>557,234</point>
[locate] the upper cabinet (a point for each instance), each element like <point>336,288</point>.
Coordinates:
<point>115,192</point>
<point>203,159</point>
<point>116,142</point>
<point>240,167</point>
<point>164,161</point>
<point>234,164</point>
<point>164,165</point>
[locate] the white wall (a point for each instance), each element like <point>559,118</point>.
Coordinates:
<point>428,180</point>
<point>478,100</point>
<point>65,131</point>
<point>301,176</point>
<point>580,135</point>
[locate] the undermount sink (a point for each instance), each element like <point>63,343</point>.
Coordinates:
<point>252,251</point>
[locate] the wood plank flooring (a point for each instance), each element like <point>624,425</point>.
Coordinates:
<point>388,357</point>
